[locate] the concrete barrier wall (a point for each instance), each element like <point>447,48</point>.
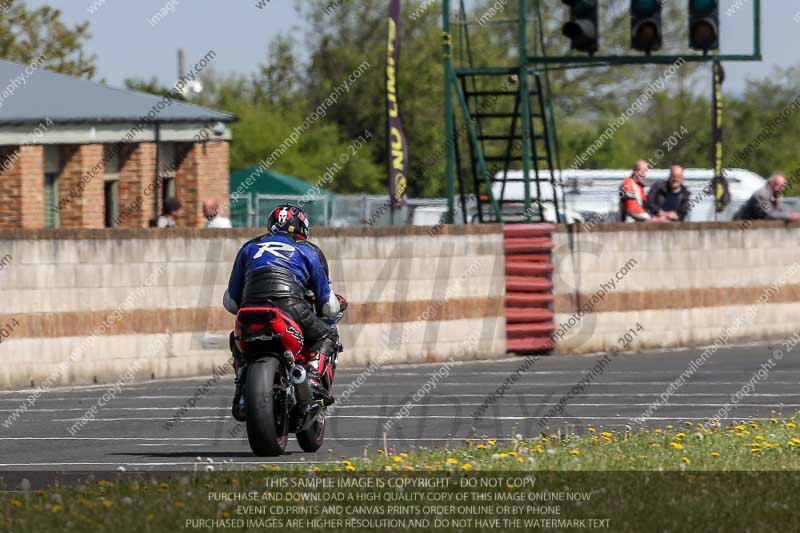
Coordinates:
<point>79,306</point>
<point>684,285</point>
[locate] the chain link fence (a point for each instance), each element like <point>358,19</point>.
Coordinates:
<point>252,210</point>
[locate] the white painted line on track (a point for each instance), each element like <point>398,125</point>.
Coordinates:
<point>179,463</point>
<point>421,406</point>
<point>211,440</point>
<point>209,419</point>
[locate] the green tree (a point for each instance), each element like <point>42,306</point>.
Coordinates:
<point>27,34</point>
<point>152,86</point>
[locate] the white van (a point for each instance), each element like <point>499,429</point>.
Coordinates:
<point>593,192</point>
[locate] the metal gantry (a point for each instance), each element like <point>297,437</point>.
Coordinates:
<point>511,122</point>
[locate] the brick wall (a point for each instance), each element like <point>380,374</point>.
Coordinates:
<point>136,190</point>
<point>81,186</point>
<point>677,285</point>
<point>414,298</point>
<point>22,187</point>
<point>202,173</point>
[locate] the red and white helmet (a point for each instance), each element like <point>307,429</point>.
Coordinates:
<point>290,219</point>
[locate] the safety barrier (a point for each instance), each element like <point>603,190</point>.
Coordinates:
<point>529,289</point>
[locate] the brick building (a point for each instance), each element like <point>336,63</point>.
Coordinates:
<point>74,153</point>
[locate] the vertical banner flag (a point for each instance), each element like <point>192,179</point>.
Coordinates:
<point>722,195</point>
<point>395,136</point>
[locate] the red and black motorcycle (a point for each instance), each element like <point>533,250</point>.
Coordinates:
<point>277,398</point>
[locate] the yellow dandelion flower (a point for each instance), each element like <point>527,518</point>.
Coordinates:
<point>381,452</point>
<point>512,454</point>
<point>755,450</point>
<point>688,424</point>
<point>163,487</point>
<point>753,425</point>
<point>607,435</point>
<point>135,487</point>
<point>795,440</point>
<point>575,452</point>
<point>592,430</point>
<point>539,448</point>
<point>519,460</point>
<point>773,420</point>
<point>676,445</point>
<point>685,460</point>
<point>397,458</point>
<point>740,427</point>
<point>658,430</point>
<point>56,509</point>
<point>466,466</point>
<point>108,503</point>
<point>714,454</point>
<point>180,505</point>
<point>346,462</point>
<point>595,439</point>
<point>679,435</point>
<point>668,427</point>
<point>759,437</point>
<point>452,460</point>
<point>481,446</point>
<point>351,468</point>
<point>791,425</point>
<point>743,434</point>
<point>16,503</point>
<point>491,442</point>
<point>792,444</point>
<point>503,455</point>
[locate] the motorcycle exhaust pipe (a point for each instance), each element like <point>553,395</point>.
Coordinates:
<point>298,376</point>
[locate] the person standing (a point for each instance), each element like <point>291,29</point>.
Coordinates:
<point>765,204</point>
<point>633,198</point>
<point>670,198</point>
<point>213,219</point>
<point>172,211</point>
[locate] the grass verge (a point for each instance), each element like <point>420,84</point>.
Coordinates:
<point>689,477</point>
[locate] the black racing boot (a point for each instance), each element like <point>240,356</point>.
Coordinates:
<point>240,369</point>
<point>318,374</point>
<point>237,409</point>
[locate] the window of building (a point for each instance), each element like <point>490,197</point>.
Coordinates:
<point>168,163</point>
<point>52,167</point>
<point>111,171</point>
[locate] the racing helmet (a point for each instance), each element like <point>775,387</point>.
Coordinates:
<point>291,219</point>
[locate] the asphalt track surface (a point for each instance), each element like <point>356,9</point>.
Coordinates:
<point>129,431</point>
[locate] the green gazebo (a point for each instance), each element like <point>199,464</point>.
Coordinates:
<point>250,205</point>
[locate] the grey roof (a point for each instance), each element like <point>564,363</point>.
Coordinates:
<point>65,99</point>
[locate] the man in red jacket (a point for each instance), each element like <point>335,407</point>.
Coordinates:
<point>633,198</point>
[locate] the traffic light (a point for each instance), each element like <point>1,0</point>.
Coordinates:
<point>704,24</point>
<point>582,28</point>
<point>646,25</point>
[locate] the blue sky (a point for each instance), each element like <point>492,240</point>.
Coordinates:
<point>128,46</point>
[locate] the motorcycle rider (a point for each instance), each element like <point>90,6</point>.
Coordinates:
<point>277,270</point>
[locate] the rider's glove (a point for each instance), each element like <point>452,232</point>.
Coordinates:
<point>342,303</point>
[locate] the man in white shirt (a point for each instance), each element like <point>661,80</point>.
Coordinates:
<point>211,212</point>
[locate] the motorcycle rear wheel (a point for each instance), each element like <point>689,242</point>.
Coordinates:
<point>265,401</point>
